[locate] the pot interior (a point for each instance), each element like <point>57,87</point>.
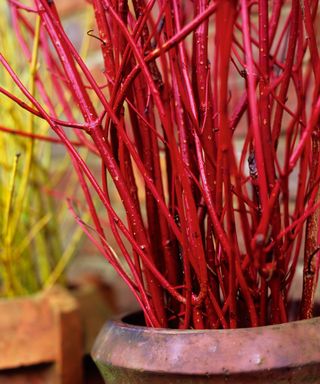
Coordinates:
<point>137,318</point>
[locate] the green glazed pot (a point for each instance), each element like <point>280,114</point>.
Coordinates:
<point>285,353</point>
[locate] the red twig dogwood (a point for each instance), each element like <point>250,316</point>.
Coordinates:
<point>205,121</point>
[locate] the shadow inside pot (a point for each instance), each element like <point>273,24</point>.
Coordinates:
<point>137,318</point>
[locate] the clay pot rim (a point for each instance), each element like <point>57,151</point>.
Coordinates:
<point>121,323</point>
<point>209,352</point>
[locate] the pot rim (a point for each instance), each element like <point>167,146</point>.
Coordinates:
<point>121,323</point>
<point>209,352</point>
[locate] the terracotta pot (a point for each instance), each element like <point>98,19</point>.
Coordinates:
<point>41,339</point>
<point>286,353</point>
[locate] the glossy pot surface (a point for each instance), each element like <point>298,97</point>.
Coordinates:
<point>286,353</point>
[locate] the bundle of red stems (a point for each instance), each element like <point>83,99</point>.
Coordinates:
<point>204,118</point>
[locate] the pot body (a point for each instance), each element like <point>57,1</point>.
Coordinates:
<point>41,339</point>
<point>286,353</point>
